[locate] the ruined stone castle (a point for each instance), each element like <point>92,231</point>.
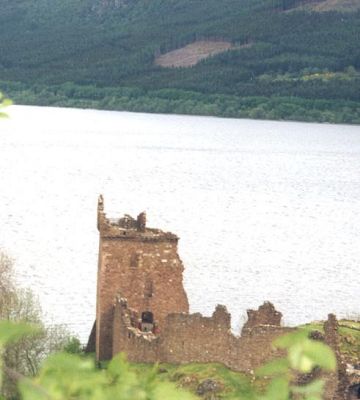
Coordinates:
<point>142,308</point>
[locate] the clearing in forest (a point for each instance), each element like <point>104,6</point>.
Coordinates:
<point>192,53</point>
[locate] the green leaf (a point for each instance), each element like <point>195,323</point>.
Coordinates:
<point>31,391</point>
<point>119,370</point>
<point>290,339</point>
<point>276,367</point>
<point>278,389</point>
<point>298,360</point>
<point>320,354</point>
<point>66,376</point>
<point>305,355</point>
<point>6,103</point>
<point>166,390</point>
<point>11,331</point>
<point>314,388</point>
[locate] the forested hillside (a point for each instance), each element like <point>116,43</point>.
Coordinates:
<point>287,60</point>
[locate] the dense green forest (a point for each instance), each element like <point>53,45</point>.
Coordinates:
<point>298,64</point>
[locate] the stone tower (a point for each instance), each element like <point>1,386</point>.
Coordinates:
<point>140,264</point>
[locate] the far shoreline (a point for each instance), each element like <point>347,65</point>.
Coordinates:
<point>199,116</point>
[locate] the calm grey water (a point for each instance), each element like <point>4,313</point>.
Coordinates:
<point>265,210</point>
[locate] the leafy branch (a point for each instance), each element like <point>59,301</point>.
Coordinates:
<point>303,356</point>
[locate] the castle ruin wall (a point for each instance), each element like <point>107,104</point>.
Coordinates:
<point>138,346</point>
<point>143,311</point>
<point>189,338</point>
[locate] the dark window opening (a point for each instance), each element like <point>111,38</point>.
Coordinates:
<point>354,392</point>
<point>147,322</point>
<point>147,316</point>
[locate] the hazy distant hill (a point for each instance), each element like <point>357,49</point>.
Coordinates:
<point>287,59</point>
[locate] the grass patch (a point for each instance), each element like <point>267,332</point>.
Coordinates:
<point>230,384</point>
<point>350,339</point>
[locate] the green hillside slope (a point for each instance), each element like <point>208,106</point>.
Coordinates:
<point>298,63</point>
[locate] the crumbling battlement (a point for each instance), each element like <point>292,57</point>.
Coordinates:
<point>129,228</point>
<point>265,315</point>
<point>130,320</point>
<point>194,338</point>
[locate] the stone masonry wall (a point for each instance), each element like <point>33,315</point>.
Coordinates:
<point>337,383</point>
<point>188,338</point>
<point>127,338</point>
<point>265,315</point>
<point>193,338</point>
<point>143,266</point>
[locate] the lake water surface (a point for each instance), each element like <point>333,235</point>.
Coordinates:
<point>265,210</point>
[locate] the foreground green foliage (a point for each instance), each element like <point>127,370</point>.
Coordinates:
<point>303,355</point>
<point>69,377</point>
<point>24,355</point>
<point>349,332</point>
<point>65,376</point>
<point>297,64</point>
<point>4,103</point>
